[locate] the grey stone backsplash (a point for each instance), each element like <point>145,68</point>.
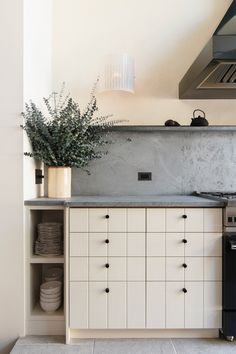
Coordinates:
<point>180,162</point>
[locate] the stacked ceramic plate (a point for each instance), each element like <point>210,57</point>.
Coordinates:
<point>53,274</point>
<point>50,240</point>
<point>51,295</point>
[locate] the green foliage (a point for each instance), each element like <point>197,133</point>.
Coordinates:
<point>66,137</point>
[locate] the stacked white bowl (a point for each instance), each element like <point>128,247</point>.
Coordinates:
<point>51,295</point>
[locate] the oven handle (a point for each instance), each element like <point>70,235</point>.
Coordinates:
<point>232,245</point>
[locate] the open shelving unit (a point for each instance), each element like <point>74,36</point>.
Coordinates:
<point>39,322</point>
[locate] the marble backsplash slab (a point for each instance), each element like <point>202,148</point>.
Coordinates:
<point>180,162</point>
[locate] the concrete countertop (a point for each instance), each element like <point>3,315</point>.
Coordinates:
<point>128,201</point>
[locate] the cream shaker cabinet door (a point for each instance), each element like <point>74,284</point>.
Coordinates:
<point>175,244</point>
<point>79,220</point>
<point>98,305</point>
<point>117,220</point>
<point>79,268</point>
<point>97,244</point>
<point>193,220</point>
<point>212,304</point>
<point>156,244</point>
<point>213,244</point>
<point>174,269</point>
<point>136,220</point>
<point>117,244</point>
<point>194,245</point>
<point>174,305</point>
<point>136,305</point>
<point>156,220</point>
<point>212,220</point>
<point>98,220</point>
<point>116,305</point>
<point>136,244</point>
<point>155,304</point>
<point>175,220</point>
<point>79,244</point>
<point>194,305</point>
<point>78,305</point>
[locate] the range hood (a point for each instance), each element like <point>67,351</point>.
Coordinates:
<point>213,74</point>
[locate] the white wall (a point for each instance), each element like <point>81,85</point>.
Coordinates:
<point>11,176</point>
<point>37,72</point>
<point>164,37</point>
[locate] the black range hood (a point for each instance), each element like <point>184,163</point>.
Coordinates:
<point>213,74</point>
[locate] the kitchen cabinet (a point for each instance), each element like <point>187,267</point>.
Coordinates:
<point>145,268</point>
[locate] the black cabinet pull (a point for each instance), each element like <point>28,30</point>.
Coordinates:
<point>184,290</point>
<point>107,241</point>
<point>184,241</point>
<point>107,290</point>
<point>107,265</point>
<point>107,216</point>
<point>185,265</point>
<point>184,216</point>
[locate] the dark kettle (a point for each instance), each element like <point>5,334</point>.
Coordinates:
<point>199,121</point>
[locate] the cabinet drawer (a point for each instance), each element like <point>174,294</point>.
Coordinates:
<point>98,221</point>
<point>194,245</point>
<point>156,220</point>
<point>117,221</point>
<point>136,244</point>
<point>212,220</point>
<point>135,268</point>
<point>194,220</point>
<point>194,270</point>
<point>174,305</point>
<point>117,244</point>
<point>78,220</point>
<point>175,220</point>
<point>156,244</point>
<point>174,269</point>
<point>155,268</point>
<point>212,305</point>
<point>135,305</point>
<point>156,303</point>
<point>212,268</point>
<point>97,305</point>
<point>117,269</point>
<point>117,305</point>
<point>194,305</point>
<point>136,220</point>
<point>175,244</point>
<point>213,244</point>
<point>97,269</point>
<point>79,268</point>
<point>79,244</point>
<point>97,244</point>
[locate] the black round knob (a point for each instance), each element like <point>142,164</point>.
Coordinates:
<point>184,290</point>
<point>107,216</point>
<point>107,241</point>
<point>107,265</point>
<point>107,290</point>
<point>184,241</point>
<point>185,265</point>
<point>184,216</point>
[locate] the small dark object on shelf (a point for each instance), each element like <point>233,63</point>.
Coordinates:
<point>199,121</point>
<point>171,123</point>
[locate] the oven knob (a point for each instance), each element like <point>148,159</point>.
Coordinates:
<point>230,219</point>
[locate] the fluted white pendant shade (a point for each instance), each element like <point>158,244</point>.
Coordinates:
<point>118,73</point>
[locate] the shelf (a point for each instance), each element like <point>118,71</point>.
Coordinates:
<point>45,260</point>
<point>183,128</point>
<point>38,314</point>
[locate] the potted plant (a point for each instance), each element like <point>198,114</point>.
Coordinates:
<point>64,137</point>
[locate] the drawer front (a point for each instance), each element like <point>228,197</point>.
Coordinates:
<point>97,244</point>
<point>212,305</point>
<point>212,268</point>
<point>117,221</point>
<point>79,244</point>
<point>79,268</point>
<point>213,244</point>
<point>175,244</point>
<point>117,305</point>
<point>117,244</point>
<point>213,220</point>
<point>97,220</point>
<point>97,305</point>
<point>194,245</point>
<point>174,305</point>
<point>156,244</point>
<point>156,304</point>
<point>194,220</point>
<point>174,269</point>
<point>79,220</point>
<point>194,270</point>
<point>194,305</point>
<point>97,269</point>
<point>175,220</point>
<point>156,268</point>
<point>136,244</point>
<point>136,220</point>
<point>135,268</point>
<point>156,220</point>
<point>136,305</point>
<point>117,269</point>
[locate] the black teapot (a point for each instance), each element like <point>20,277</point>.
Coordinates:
<point>199,121</point>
